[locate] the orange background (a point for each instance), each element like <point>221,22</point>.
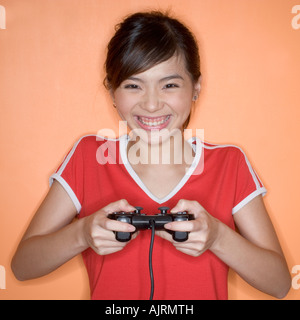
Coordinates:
<point>51,93</point>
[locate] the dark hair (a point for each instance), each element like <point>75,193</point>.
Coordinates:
<point>146,39</point>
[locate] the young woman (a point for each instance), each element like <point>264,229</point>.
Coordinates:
<point>153,75</point>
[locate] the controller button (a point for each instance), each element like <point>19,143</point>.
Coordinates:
<point>163,210</point>
<point>138,210</point>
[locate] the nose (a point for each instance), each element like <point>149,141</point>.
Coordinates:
<point>151,101</point>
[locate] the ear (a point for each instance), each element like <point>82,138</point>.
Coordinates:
<point>112,95</point>
<point>197,86</point>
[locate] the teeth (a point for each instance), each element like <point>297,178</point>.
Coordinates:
<point>153,123</point>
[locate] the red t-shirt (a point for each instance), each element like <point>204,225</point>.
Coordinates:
<point>96,172</point>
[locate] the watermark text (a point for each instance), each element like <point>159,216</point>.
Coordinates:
<point>296,278</point>
<point>2,278</point>
<point>296,18</point>
<point>154,310</point>
<point>152,147</point>
<point>2,18</point>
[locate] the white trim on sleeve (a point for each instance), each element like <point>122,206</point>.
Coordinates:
<point>57,176</point>
<point>250,197</point>
<point>68,189</point>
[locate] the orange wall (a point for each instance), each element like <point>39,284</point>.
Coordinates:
<point>51,58</point>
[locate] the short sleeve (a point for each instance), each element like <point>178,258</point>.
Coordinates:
<point>70,174</point>
<point>248,184</point>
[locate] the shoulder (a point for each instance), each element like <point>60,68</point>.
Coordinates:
<point>91,148</point>
<point>226,157</point>
<point>228,151</point>
<point>94,141</point>
<point>88,145</point>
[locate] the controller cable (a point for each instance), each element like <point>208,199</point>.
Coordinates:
<point>152,224</point>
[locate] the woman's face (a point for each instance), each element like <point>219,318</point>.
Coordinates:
<point>158,98</point>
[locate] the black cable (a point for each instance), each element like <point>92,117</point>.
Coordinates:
<point>152,224</point>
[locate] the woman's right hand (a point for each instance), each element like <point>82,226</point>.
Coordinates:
<point>98,228</point>
<point>53,238</point>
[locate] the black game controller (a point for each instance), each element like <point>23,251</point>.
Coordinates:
<point>142,221</point>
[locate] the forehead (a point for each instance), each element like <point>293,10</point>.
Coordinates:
<point>172,66</point>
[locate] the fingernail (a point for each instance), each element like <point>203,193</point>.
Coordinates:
<point>168,226</point>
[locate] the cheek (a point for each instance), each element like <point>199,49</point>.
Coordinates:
<point>182,105</point>
<point>123,103</point>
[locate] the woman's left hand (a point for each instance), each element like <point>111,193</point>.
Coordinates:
<point>203,231</point>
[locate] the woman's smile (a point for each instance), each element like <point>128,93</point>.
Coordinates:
<point>153,123</point>
<point>158,98</point>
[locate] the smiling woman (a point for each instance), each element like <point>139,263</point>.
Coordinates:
<point>153,75</point>
<point>160,97</point>
<point>144,40</point>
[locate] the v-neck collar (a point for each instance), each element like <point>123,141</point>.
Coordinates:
<point>198,152</point>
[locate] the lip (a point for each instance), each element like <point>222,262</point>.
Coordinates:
<point>153,123</point>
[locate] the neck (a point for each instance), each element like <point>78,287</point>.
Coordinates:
<point>170,149</point>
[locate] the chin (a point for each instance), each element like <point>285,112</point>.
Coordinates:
<point>155,136</point>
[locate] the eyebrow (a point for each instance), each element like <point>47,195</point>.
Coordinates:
<point>171,77</point>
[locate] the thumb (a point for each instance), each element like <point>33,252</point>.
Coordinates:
<point>190,206</point>
<point>120,205</point>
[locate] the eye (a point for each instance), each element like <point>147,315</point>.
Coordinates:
<point>171,85</point>
<point>131,86</point>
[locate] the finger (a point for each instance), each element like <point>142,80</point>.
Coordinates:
<point>108,247</point>
<point>165,235</point>
<point>188,226</point>
<point>190,252</point>
<point>183,205</point>
<point>100,233</point>
<point>189,206</point>
<point>134,235</point>
<point>120,205</point>
<point>107,239</point>
<point>115,225</point>
<point>188,247</point>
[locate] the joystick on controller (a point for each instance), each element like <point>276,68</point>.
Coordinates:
<point>142,222</point>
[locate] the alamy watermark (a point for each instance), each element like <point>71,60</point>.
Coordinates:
<point>153,147</point>
<point>296,278</point>
<point>296,18</point>
<point>2,17</point>
<point>2,278</point>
